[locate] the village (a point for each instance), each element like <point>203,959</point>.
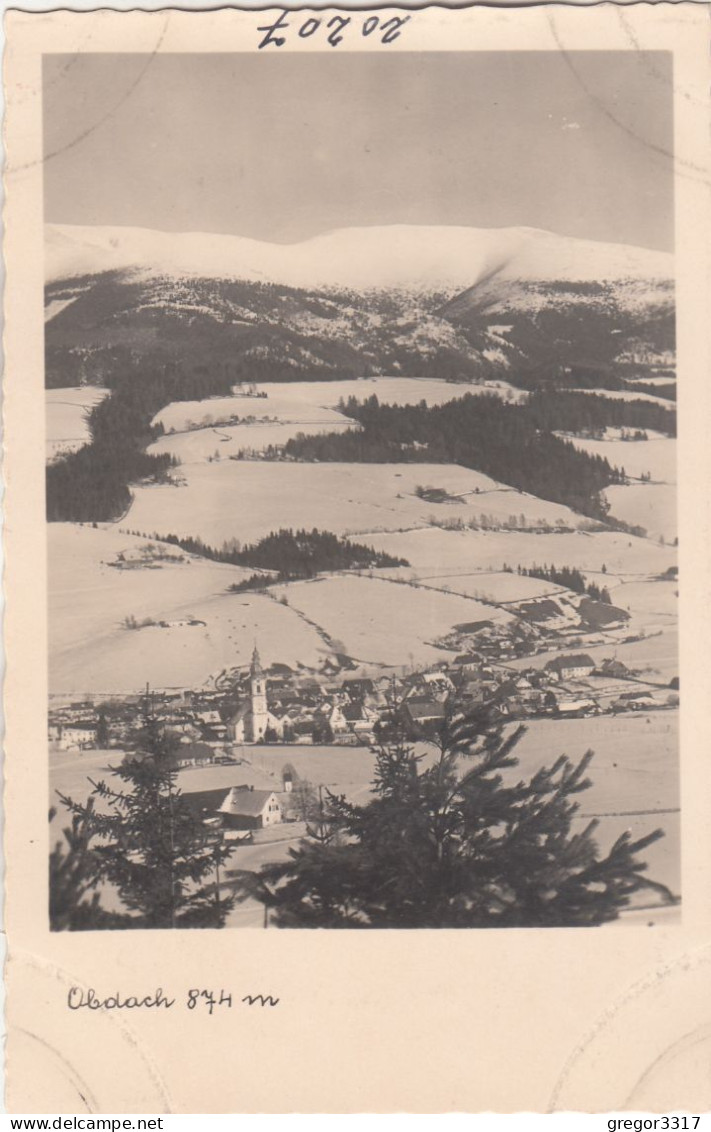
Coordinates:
<point>280,705</point>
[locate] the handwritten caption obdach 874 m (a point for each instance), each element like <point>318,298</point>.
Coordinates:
<point>334,30</point>
<point>193,999</point>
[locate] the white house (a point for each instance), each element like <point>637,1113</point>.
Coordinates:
<point>69,736</point>
<point>247,808</point>
<point>571,666</point>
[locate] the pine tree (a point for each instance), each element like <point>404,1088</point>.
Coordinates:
<point>74,903</point>
<point>457,844</point>
<point>148,843</point>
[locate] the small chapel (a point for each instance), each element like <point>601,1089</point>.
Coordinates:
<point>251,720</point>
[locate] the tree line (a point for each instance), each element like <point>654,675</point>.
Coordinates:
<point>288,555</point>
<point>569,411</point>
<point>503,441</point>
<point>567,576</point>
<point>92,484</point>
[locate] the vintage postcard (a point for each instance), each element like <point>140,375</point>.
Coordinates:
<point>356,578</point>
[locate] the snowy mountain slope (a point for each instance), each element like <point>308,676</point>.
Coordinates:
<point>459,303</point>
<point>400,257</point>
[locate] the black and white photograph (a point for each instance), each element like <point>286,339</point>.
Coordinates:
<point>361,504</point>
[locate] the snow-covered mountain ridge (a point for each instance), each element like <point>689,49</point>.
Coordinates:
<point>400,257</point>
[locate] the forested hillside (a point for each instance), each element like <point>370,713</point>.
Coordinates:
<point>92,484</point>
<point>504,441</point>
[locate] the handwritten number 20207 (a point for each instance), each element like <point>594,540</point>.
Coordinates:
<point>387,31</point>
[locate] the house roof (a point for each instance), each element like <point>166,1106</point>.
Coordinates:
<point>573,660</point>
<point>352,712</point>
<point>508,688</point>
<point>193,750</point>
<point>245,802</point>
<point>473,626</point>
<point>425,709</point>
<point>357,684</point>
<point>202,801</point>
<point>209,716</point>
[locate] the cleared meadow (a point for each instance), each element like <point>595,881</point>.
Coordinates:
<point>65,415</point>
<point>91,650</point>
<point>309,401</point>
<point>247,499</point>
<point>223,441</point>
<point>655,456</point>
<point>651,605</point>
<point>487,586</point>
<point>649,505</point>
<point>380,622</point>
<point>447,553</point>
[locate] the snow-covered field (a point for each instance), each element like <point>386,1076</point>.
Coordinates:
<point>381,622</point>
<point>206,629</point>
<point>447,553</point>
<point>248,499</point>
<point>484,585</point>
<point>634,773</point>
<point>316,401</point>
<point>638,457</point>
<point>91,650</point>
<point>66,412</point>
<point>649,505</point>
<point>219,442</point>
<point>194,433</point>
<point>651,605</point>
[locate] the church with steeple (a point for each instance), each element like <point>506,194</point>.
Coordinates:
<point>250,722</point>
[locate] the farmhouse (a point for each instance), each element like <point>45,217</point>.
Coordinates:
<point>247,808</point>
<point>241,807</point>
<point>572,665</point>
<point>193,754</point>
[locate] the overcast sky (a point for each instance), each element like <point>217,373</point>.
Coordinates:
<point>283,146</point>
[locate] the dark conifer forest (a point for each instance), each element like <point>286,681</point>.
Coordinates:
<point>289,555</point>
<point>568,411</point>
<point>507,442</point>
<point>92,485</point>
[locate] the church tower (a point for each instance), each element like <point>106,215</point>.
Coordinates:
<point>258,697</point>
